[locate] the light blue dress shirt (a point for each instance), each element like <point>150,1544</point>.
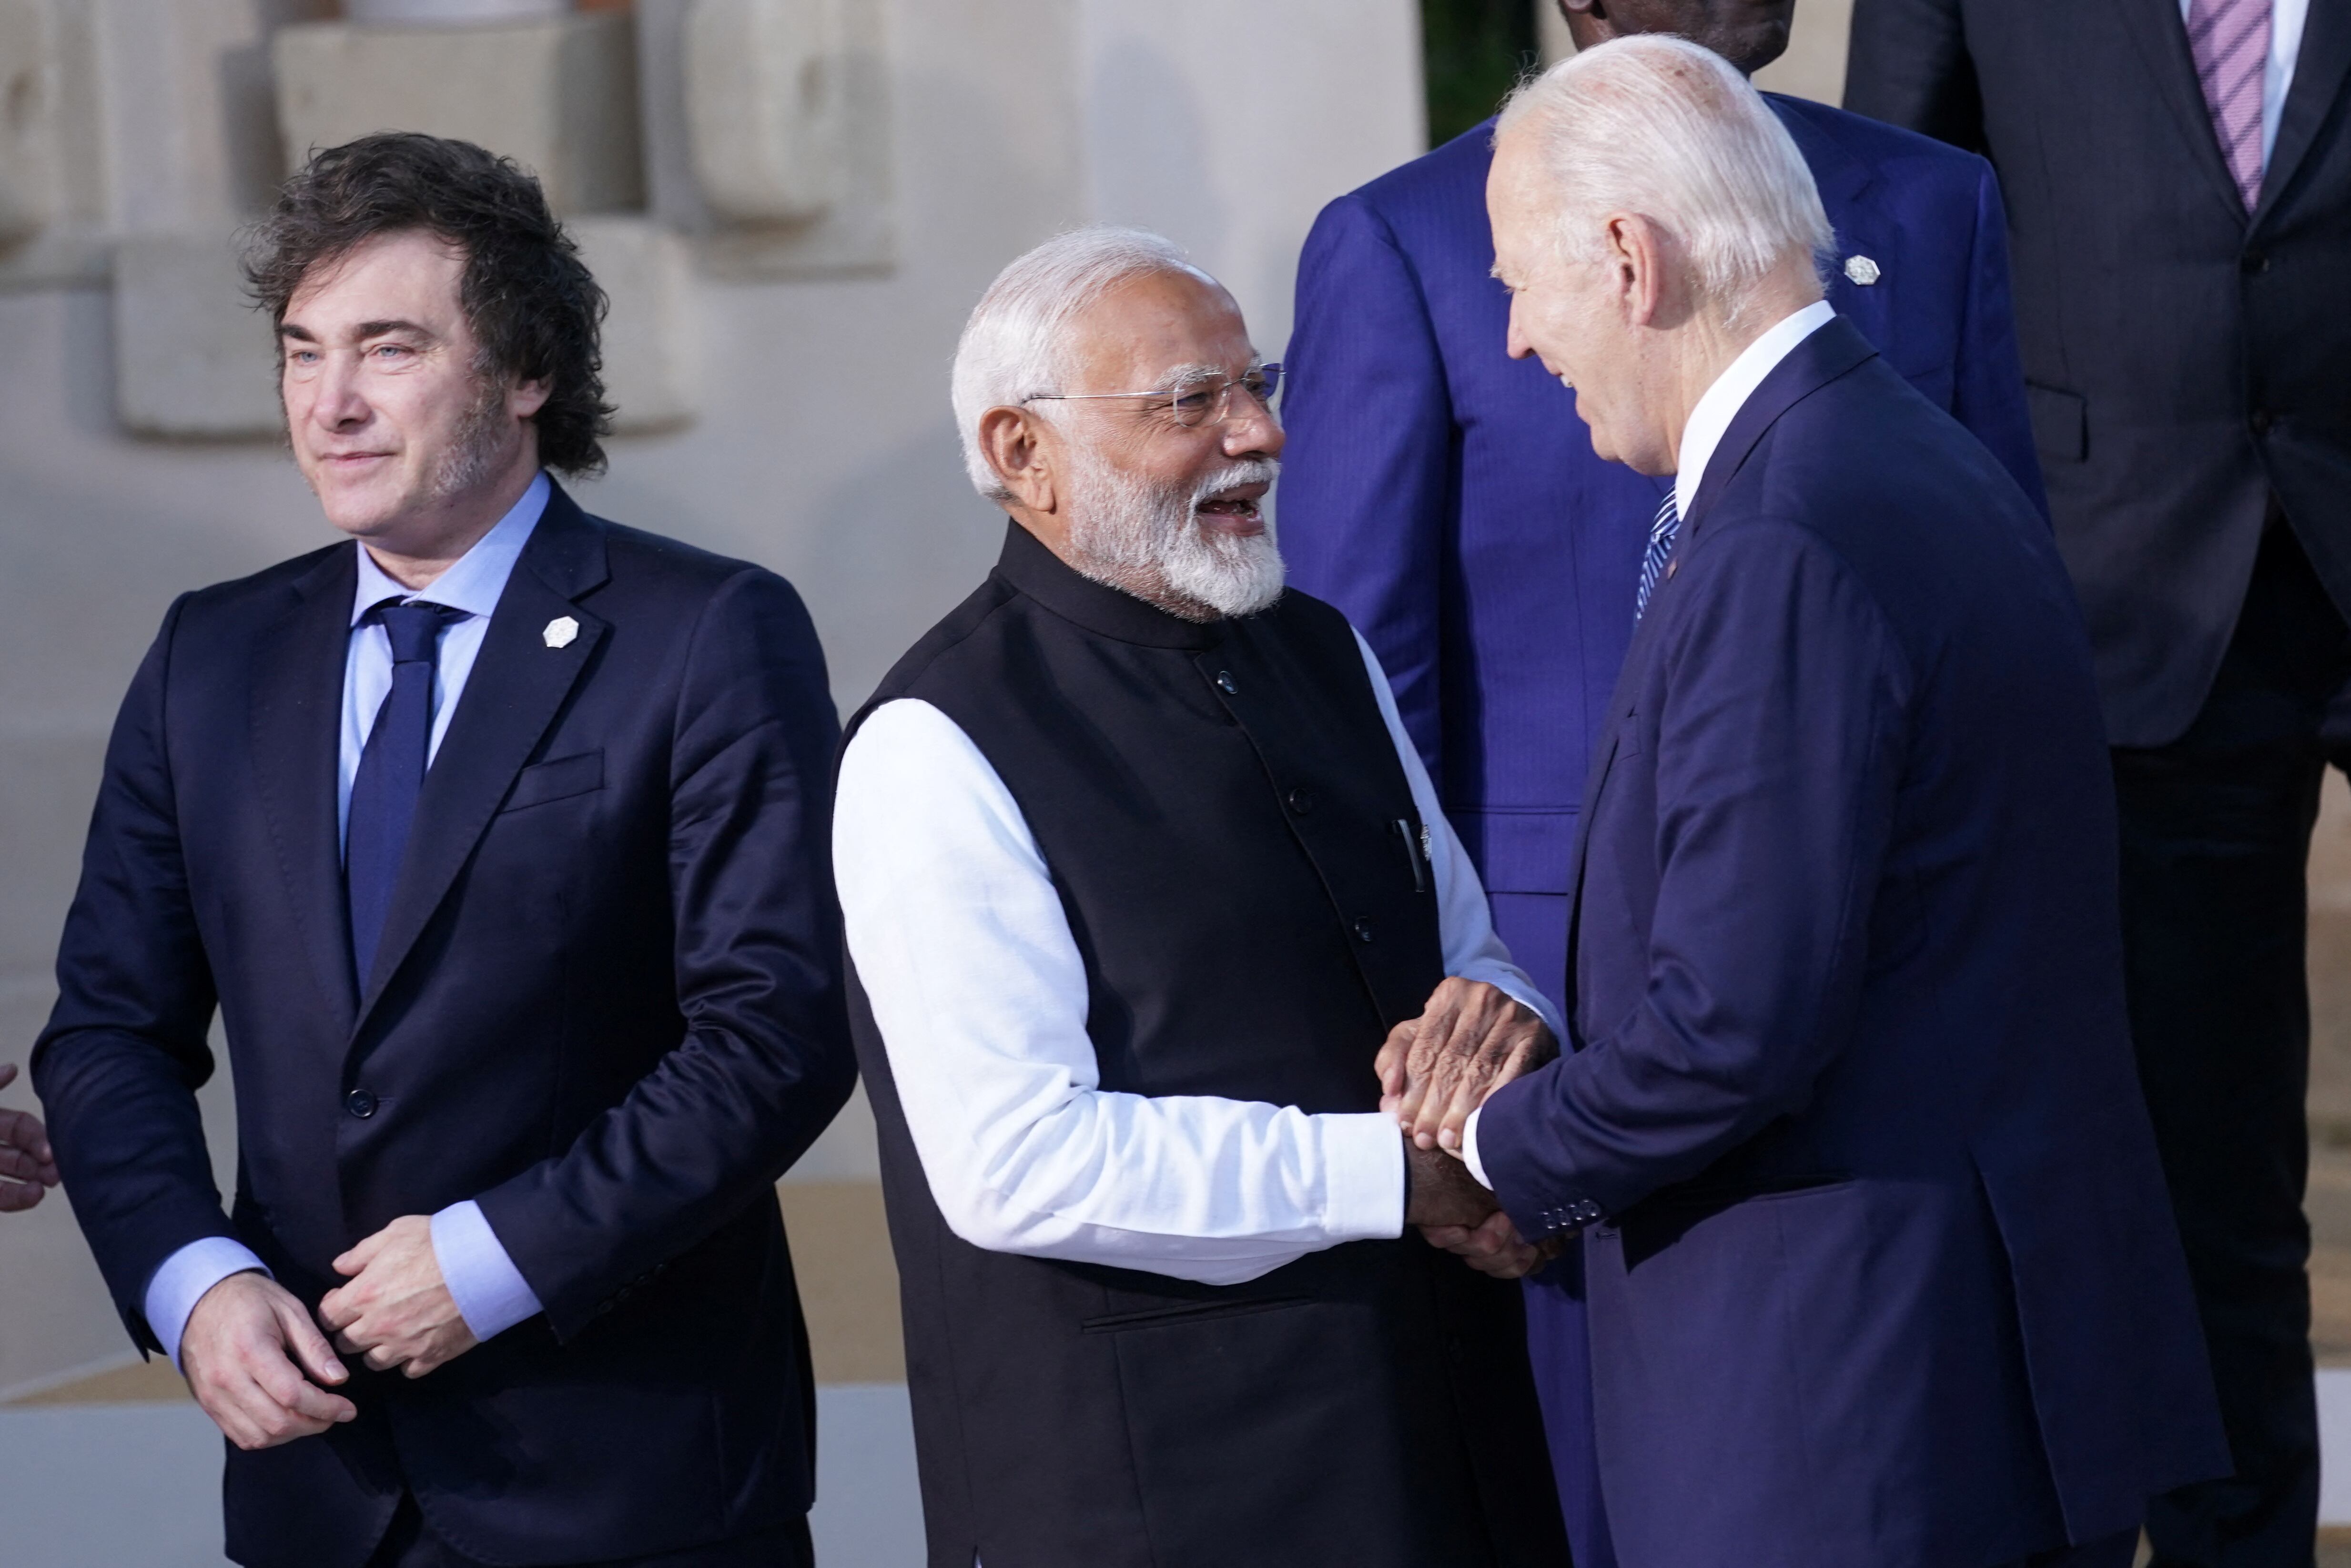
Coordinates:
<point>490,1291</point>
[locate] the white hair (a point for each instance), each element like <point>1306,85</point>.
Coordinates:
<point>1012,349</point>
<point>1657,126</point>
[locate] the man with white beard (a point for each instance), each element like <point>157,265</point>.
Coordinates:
<point>1139,873</point>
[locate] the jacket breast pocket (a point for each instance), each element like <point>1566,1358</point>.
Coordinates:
<point>2061,424</point>
<point>558,779</point>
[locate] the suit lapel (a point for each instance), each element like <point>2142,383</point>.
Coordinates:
<point>2155,27</point>
<point>1831,350</point>
<point>517,685</point>
<point>1836,348</point>
<point>2318,71</point>
<point>296,729</point>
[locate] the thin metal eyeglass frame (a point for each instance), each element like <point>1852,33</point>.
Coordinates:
<point>1222,411</point>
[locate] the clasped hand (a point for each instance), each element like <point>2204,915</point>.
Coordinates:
<point>262,1370</point>
<point>1470,1039</point>
<point>27,1167</point>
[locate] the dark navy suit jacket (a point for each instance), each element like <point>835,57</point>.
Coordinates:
<point>608,1004</point>
<point>1446,496</point>
<point>1883,1272</point>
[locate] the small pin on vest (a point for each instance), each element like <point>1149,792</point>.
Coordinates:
<point>1863,270</point>
<point>561,631</point>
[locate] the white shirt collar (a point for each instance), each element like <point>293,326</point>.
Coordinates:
<point>1711,418</point>
<point>475,579</point>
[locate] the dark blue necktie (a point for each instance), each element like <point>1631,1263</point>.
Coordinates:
<point>391,773</point>
<point>1661,529</point>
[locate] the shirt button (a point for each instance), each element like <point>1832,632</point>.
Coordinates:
<point>1227,685</point>
<point>1362,930</point>
<point>1301,800</point>
<point>359,1103</point>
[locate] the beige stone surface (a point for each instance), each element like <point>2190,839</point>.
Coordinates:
<point>191,357</point>
<point>557,96</point>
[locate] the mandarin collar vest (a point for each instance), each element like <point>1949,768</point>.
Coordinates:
<point>1035,570</point>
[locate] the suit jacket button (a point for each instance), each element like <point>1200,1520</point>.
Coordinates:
<point>1227,685</point>
<point>1362,931</point>
<point>1301,800</point>
<point>359,1103</point>
<point>2260,422</point>
<point>2253,261</point>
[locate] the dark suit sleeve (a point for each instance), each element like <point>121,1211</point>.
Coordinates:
<point>1909,65</point>
<point>1367,484</point>
<point>124,1052</point>
<point>765,1063</point>
<point>1779,751</point>
<point>1988,381</point>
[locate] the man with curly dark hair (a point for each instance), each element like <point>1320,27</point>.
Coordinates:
<point>497,840</point>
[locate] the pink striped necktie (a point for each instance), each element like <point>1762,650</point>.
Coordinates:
<point>2231,41</point>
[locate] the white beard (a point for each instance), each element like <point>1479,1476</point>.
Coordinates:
<point>1150,542</point>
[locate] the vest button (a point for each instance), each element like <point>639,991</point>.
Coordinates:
<point>1227,685</point>
<point>359,1103</point>
<point>1362,930</point>
<point>1301,800</point>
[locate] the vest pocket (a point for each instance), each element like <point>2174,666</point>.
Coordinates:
<point>2060,423</point>
<point>556,781</point>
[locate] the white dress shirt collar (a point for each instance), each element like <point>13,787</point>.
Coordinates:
<point>1721,402</point>
<point>475,579</point>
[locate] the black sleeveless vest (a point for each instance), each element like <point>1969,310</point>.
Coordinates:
<point>1239,856</point>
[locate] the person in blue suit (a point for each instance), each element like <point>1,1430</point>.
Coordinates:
<point>1881,1267</point>
<point>1445,498</point>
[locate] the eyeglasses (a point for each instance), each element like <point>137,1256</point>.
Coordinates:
<point>1194,401</point>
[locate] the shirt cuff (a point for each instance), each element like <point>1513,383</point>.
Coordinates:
<point>174,1289</point>
<point>1363,1155</point>
<point>491,1294</point>
<point>1469,1149</point>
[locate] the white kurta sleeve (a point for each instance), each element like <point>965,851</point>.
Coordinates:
<point>1465,925</point>
<point>976,982</point>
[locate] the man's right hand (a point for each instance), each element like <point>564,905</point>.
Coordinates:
<point>1439,1190</point>
<point>245,1351</point>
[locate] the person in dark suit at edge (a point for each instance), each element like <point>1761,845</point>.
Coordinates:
<point>2179,175</point>
<point>497,837</point>
<point>1445,497</point>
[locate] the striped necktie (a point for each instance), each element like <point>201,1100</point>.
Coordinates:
<point>2230,42</point>
<point>1661,529</point>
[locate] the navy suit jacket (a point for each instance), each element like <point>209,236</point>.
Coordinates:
<point>608,1004</point>
<point>1881,1268</point>
<point>1447,499</point>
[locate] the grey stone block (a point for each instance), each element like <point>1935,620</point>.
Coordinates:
<point>557,96</point>
<point>191,357</point>
<point>651,368</point>
<point>768,132</point>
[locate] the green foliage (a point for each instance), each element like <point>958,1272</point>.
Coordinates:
<point>1474,51</point>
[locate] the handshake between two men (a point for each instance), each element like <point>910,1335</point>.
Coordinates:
<point>1434,1071</point>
